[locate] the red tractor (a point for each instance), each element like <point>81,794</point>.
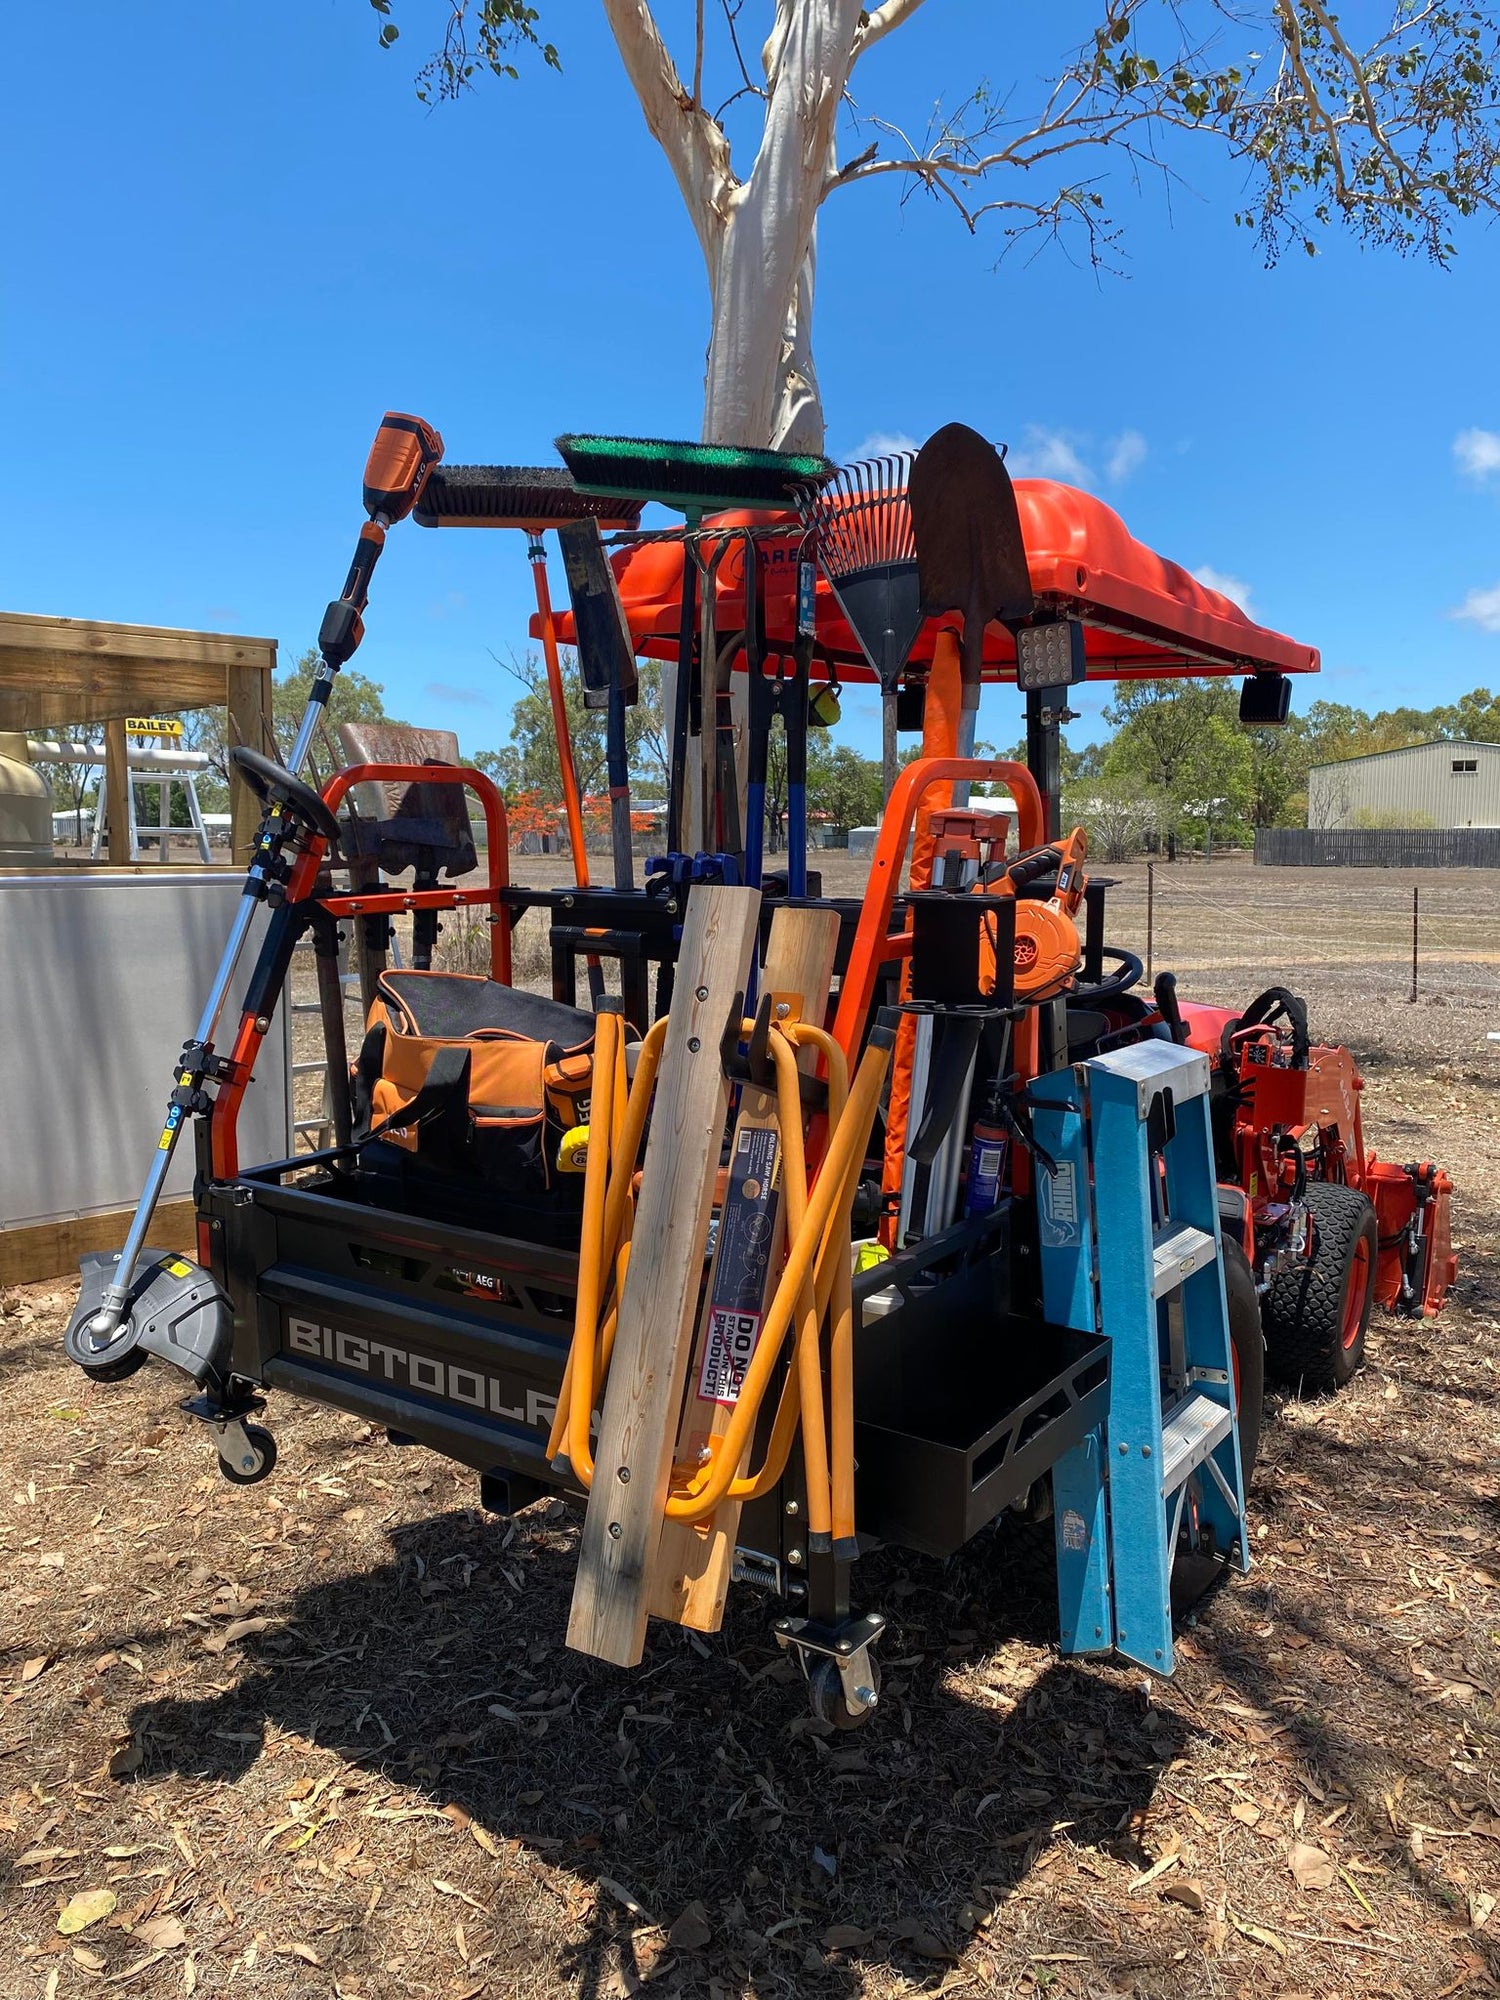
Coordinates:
<point>1329,1228</point>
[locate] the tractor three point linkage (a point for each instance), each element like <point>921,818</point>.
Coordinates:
<point>827,1222</point>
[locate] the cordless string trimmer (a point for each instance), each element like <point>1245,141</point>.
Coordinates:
<point>105,1330</point>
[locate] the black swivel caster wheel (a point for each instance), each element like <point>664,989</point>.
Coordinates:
<point>825,1695</point>
<point>252,1467</point>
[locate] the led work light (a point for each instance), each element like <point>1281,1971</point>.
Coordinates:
<point>1049,656</point>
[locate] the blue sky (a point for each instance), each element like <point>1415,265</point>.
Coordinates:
<point>235,237</point>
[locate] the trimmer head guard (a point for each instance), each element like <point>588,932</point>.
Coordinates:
<point>176,1312</point>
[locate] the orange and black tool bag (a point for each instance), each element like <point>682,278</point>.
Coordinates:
<point>475,1080</point>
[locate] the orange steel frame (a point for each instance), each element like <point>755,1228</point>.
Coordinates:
<point>253,1028</point>
<point>875,944</point>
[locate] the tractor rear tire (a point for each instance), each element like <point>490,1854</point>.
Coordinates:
<point>1316,1315</point>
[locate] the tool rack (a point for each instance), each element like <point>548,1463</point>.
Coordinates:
<point>1070,1339</point>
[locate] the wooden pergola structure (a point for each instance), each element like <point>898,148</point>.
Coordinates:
<point>55,671</point>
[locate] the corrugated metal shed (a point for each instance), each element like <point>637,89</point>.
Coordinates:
<point>1424,785</point>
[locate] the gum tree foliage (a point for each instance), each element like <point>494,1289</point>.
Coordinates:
<point>1391,128</point>
<point>529,762</point>
<point>1178,742</point>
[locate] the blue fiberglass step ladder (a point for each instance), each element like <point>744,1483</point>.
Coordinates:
<point>1129,1227</point>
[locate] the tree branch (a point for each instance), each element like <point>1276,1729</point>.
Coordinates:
<point>695,144</point>
<point>879,22</point>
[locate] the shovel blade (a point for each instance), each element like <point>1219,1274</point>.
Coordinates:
<point>605,651</point>
<point>971,557</point>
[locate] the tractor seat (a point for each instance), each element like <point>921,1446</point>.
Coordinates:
<point>422,827</point>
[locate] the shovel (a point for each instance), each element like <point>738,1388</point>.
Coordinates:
<point>970,555</point>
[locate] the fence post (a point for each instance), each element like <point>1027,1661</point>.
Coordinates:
<point>1415,892</point>
<point>1150,914</point>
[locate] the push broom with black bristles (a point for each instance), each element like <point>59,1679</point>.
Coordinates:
<point>533,498</point>
<point>694,480</point>
<point>861,520</point>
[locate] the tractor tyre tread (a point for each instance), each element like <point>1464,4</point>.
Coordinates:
<point>1303,1311</point>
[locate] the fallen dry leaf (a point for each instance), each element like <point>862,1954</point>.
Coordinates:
<point>91,1961</point>
<point>1311,1867</point>
<point>1257,1935</point>
<point>1481,1908</point>
<point>33,1668</point>
<point>303,1951</point>
<point>845,1937</point>
<point>1245,1813</point>
<point>161,1933</point>
<point>1150,1874</point>
<point>89,1906</point>
<point>622,1895</point>
<point>452,1889</point>
<point>692,1930</point>
<point>1190,1894</point>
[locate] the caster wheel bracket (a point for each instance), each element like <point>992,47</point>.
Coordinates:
<point>846,1646</point>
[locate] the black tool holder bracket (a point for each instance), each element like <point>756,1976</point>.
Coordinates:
<point>755,1066</point>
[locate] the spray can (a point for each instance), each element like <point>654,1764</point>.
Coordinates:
<point>987,1151</point>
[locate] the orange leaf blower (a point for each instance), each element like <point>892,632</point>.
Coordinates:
<point>1048,951</point>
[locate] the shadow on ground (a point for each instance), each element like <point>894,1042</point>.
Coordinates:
<point>699,1779</point>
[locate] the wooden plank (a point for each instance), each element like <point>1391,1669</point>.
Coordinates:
<point>64,640</point>
<point>117,792</point>
<point>690,1579</point>
<point>659,1307</point>
<point>52,1249</point>
<point>249,701</point>
<point>44,695</point>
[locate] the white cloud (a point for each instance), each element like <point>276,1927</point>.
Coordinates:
<point>1481,608</point>
<point>1048,455</point>
<point>1126,455</point>
<point>1232,587</point>
<point>883,444</point>
<point>1478,454</point>
<point>1070,455</point>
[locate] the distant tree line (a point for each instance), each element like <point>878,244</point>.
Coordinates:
<point>1177,768</point>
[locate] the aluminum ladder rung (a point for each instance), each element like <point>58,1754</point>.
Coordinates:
<point>1176,1254</point>
<point>1192,1429</point>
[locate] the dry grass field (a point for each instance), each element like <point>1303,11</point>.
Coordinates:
<point>322,1737</point>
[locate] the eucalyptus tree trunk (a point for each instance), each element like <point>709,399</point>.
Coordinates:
<point>757,234</point>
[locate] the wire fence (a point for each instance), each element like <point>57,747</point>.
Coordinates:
<point>1408,965</point>
<point>1402,965</point>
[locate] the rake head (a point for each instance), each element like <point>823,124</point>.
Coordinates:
<point>861,521</point>
<point>861,516</point>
